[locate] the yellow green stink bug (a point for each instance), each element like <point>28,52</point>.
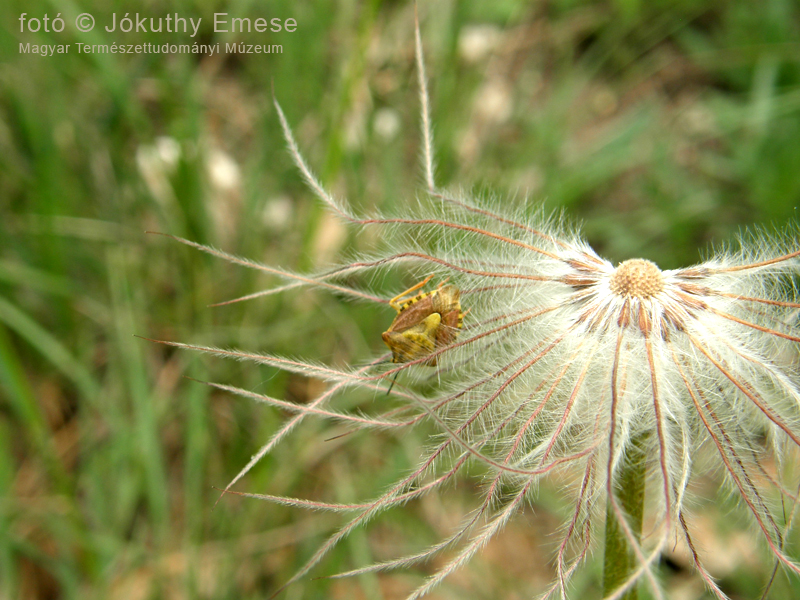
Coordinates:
<point>425,322</point>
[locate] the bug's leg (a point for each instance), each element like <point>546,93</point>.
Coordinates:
<point>391,385</point>
<point>395,302</point>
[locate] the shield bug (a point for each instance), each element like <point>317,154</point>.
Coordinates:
<point>425,322</point>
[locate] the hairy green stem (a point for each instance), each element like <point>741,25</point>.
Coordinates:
<point>620,561</point>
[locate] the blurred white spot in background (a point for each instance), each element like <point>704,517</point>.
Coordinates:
<point>475,42</point>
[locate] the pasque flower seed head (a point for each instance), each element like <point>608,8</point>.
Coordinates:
<point>566,363</point>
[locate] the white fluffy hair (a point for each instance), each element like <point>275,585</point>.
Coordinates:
<point>567,363</point>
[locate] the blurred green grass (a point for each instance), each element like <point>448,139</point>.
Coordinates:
<point>662,126</point>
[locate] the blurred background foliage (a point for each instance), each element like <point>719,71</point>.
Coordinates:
<point>662,126</point>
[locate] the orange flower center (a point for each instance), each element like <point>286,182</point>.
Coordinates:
<point>637,278</point>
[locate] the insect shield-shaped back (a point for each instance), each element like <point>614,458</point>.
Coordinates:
<point>424,323</point>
